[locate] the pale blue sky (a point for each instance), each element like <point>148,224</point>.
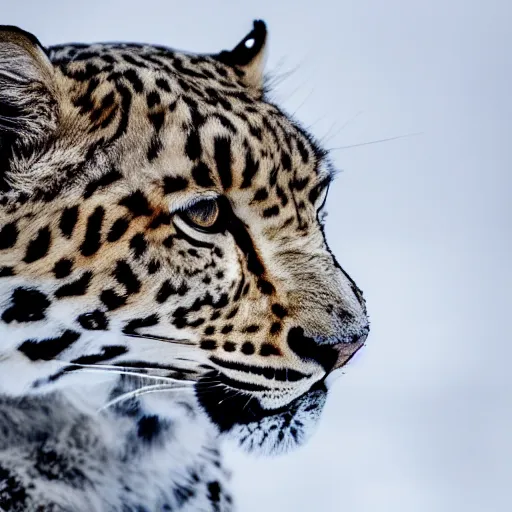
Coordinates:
<point>421,421</point>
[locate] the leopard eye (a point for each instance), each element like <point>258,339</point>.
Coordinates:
<point>322,199</point>
<point>203,215</point>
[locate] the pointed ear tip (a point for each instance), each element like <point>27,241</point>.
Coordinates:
<point>248,49</point>
<point>258,34</point>
<point>259,29</point>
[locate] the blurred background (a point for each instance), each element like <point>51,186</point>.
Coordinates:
<point>421,420</point>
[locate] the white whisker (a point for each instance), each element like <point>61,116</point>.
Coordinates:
<point>120,370</point>
<point>163,339</point>
<point>135,374</point>
<point>143,391</point>
<point>328,136</point>
<point>376,141</point>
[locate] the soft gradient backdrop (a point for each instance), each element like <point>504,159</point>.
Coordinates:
<point>422,420</point>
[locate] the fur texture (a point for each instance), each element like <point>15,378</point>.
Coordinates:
<point>164,275</point>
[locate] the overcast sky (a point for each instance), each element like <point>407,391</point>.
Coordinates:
<point>422,420</point>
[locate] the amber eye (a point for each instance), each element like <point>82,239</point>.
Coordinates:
<point>203,215</point>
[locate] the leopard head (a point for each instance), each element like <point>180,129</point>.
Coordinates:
<point>160,216</point>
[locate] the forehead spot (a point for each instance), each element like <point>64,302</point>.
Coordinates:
<point>163,84</point>
<point>193,145</point>
<point>174,184</point>
<point>157,119</point>
<point>223,161</point>
<point>152,99</point>
<point>299,184</point>
<point>202,175</point>
<point>132,77</point>
<point>304,153</point>
<point>286,161</point>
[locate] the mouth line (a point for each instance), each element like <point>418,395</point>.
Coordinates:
<point>278,374</point>
<point>227,409</point>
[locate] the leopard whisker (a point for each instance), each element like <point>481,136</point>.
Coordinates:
<point>378,141</point>
<point>164,339</point>
<point>156,388</point>
<point>136,374</point>
<point>99,368</point>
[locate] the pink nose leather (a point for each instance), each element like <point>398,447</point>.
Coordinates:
<point>346,351</point>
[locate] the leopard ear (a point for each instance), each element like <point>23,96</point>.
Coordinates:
<point>28,106</point>
<point>248,56</point>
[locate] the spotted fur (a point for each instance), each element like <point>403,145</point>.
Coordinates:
<point>130,335</point>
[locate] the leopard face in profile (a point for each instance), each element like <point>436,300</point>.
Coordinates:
<point>160,222</point>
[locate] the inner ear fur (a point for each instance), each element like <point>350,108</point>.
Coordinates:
<point>28,104</point>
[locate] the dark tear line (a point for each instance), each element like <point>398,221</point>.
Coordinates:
<point>242,238</point>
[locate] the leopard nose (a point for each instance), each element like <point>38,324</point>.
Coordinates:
<point>346,351</point>
<point>330,355</point>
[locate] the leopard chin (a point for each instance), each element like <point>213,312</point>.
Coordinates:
<point>240,417</point>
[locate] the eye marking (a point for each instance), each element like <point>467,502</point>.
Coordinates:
<point>318,194</point>
<point>318,197</point>
<point>323,195</point>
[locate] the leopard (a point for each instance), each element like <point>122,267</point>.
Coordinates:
<point>165,280</point>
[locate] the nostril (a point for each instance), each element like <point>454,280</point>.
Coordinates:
<point>329,352</point>
<point>360,337</point>
<point>308,349</point>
